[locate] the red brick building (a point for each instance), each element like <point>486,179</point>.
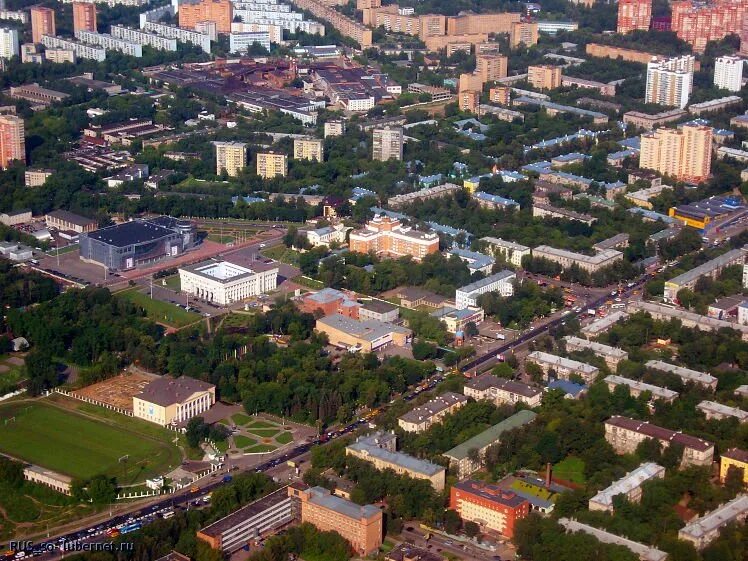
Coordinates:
<point>634,14</point>
<point>330,301</point>
<point>489,506</point>
<point>698,23</point>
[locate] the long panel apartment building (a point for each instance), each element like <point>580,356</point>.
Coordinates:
<point>81,50</point>
<point>711,269</point>
<point>379,449</point>
<point>512,252</point>
<point>629,485</point>
<point>502,282</point>
<point>251,522</point>
<point>143,38</point>
<point>433,411</point>
<point>109,42</point>
<point>185,35</point>
<point>703,530</point>
<point>589,263</point>
<point>502,391</point>
<point>611,355</point>
<point>624,434</point>
<point>686,374</point>
<point>563,368</point>
<point>636,388</point>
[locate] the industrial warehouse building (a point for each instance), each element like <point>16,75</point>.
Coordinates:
<point>138,242</point>
<point>223,282</point>
<point>253,521</point>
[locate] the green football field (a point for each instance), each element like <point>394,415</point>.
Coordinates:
<point>79,446</point>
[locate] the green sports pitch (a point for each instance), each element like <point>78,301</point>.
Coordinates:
<point>81,446</point>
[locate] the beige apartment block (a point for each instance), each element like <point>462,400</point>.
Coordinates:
<point>272,164</point>
<point>230,157</point>
<point>308,149</point>
<point>544,76</point>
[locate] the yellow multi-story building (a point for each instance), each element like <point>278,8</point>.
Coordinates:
<point>684,153</point>
<point>523,33</point>
<point>230,157</point>
<point>272,164</point>
<point>308,149</point>
<point>172,401</point>
<point>734,457</point>
<point>544,76</point>
<point>491,67</point>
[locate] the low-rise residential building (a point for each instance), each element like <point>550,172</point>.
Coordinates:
<point>703,530</point>
<point>502,282</point>
<point>711,269</point>
<point>326,235</point>
<point>476,262</point>
<point>688,319</point>
<point>645,552</point>
<point>540,210</point>
<point>686,374</point>
<point>365,336</point>
<point>487,200</point>
<point>433,411</point>
<point>436,192</point>
<point>36,177</point>
<point>66,221</point>
<point>491,507</point>
<point>457,320</point>
<point>15,217</point>
<point>611,355</point>
<point>636,388</point>
<point>563,368</point>
<point>733,458</point>
<point>501,391</point>
<point>256,520</point>
<point>511,252</point>
<point>173,401</point>
<point>589,263</point>
<point>360,525</point>
<point>629,485</point>
<point>378,310</point>
<point>714,410</point>
<point>625,434</point>
<point>470,455</point>
<point>379,449</point>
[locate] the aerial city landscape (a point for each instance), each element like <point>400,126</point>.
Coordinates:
<point>332,280</point>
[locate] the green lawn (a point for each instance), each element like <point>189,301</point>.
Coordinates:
<point>173,282</point>
<point>79,446</point>
<point>240,419</point>
<point>260,448</point>
<point>264,433</point>
<point>283,254</point>
<point>218,238</point>
<point>570,469</point>
<point>162,312</point>
<point>241,441</point>
<point>284,438</point>
<point>257,424</point>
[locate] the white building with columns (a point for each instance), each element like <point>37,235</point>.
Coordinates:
<point>173,401</point>
<point>222,282</point>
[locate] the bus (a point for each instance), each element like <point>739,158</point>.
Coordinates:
<point>168,514</point>
<point>132,527</point>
